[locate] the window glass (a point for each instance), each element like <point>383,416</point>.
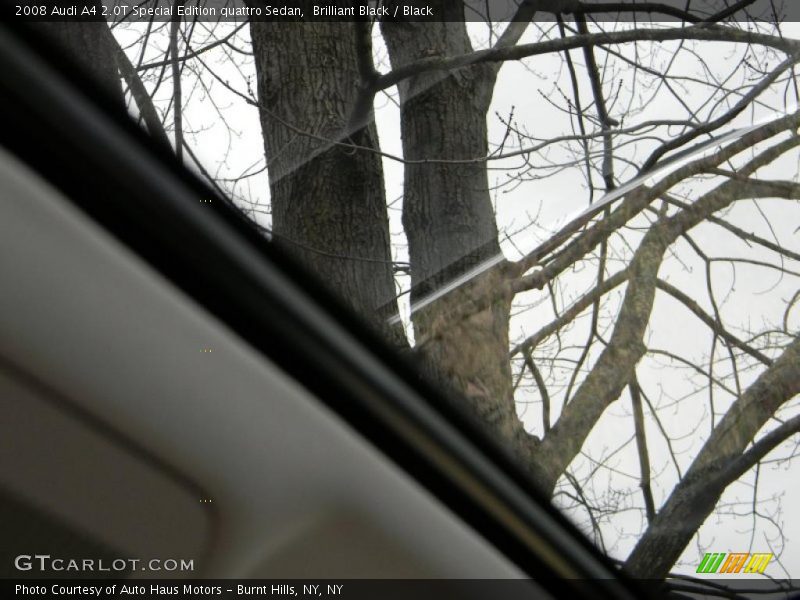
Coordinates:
<point>585,223</point>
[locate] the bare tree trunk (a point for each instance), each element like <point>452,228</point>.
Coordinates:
<point>449,221</point>
<point>328,200</point>
<point>91,47</point>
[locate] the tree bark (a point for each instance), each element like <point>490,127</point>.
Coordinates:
<point>328,200</point>
<point>449,221</point>
<point>91,48</point>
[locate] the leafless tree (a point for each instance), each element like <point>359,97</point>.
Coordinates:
<point>679,140</point>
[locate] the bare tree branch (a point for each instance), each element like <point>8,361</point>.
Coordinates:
<point>721,459</point>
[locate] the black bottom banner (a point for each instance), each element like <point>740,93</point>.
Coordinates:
<point>383,589</point>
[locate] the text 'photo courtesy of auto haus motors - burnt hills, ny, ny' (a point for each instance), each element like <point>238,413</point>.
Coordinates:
<point>584,225</point>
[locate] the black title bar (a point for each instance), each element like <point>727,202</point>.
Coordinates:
<point>493,11</point>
